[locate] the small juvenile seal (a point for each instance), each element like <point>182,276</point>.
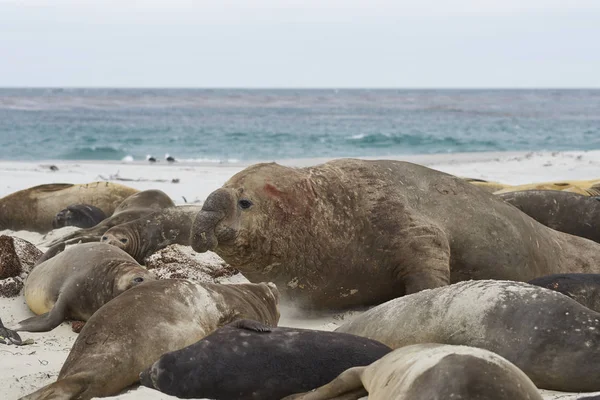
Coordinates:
<point>550,337</point>
<point>33,209</point>
<point>355,232</point>
<point>583,288</point>
<point>76,283</point>
<point>431,371</point>
<point>145,236</point>
<point>79,215</point>
<point>282,361</point>
<point>129,333</point>
<point>567,212</point>
<point>132,208</point>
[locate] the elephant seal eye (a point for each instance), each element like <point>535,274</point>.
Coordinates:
<point>245,204</point>
<point>138,280</point>
<point>104,238</point>
<point>124,240</point>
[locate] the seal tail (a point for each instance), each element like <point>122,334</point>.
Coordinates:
<point>64,389</point>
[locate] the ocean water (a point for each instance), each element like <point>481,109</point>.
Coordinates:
<point>227,125</point>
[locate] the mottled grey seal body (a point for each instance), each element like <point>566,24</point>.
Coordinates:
<point>259,362</point>
<point>145,236</point>
<point>33,209</point>
<point>76,283</point>
<point>428,372</point>
<point>129,333</point>
<point>567,212</point>
<point>583,288</point>
<point>354,232</point>
<point>132,208</point>
<point>79,215</point>
<point>550,337</point>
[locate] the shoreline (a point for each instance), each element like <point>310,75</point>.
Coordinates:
<point>425,159</point>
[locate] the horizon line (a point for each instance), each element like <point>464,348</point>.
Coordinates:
<point>310,87</point>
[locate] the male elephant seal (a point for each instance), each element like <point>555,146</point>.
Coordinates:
<point>583,288</point>
<point>549,336</point>
<point>34,209</point>
<point>76,283</point>
<point>133,330</point>
<point>132,208</point>
<point>431,371</point>
<point>145,236</point>
<point>354,232</point>
<point>79,215</point>
<point>563,211</point>
<point>247,360</point>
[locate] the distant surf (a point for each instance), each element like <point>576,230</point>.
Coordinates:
<point>222,126</point>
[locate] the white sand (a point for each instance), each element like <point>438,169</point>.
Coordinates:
<point>25,369</point>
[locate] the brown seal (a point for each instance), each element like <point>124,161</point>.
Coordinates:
<point>76,283</point>
<point>133,330</point>
<point>431,371</point>
<point>549,336</point>
<point>355,232</point>
<point>132,208</point>
<point>34,209</point>
<point>145,236</point>
<point>567,212</point>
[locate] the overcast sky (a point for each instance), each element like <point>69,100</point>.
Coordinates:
<point>300,43</point>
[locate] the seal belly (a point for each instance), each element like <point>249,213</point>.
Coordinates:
<point>37,299</point>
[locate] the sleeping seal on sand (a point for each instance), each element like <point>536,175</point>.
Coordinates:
<point>567,212</point>
<point>431,371</point>
<point>132,208</point>
<point>145,236</point>
<point>34,209</point>
<point>355,232</point>
<point>130,332</point>
<point>76,283</point>
<point>259,362</point>
<point>550,337</point>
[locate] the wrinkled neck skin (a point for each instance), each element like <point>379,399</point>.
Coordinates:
<point>247,301</point>
<point>296,248</point>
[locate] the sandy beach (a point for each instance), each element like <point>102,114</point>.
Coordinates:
<point>28,368</point>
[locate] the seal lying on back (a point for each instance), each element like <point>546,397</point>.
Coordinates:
<point>34,209</point>
<point>76,283</point>
<point>354,232</point>
<point>549,336</point>
<point>282,361</point>
<point>145,236</point>
<point>431,371</point>
<point>79,215</point>
<point>132,208</point>
<point>571,213</point>
<point>133,330</point>
<point>583,288</point>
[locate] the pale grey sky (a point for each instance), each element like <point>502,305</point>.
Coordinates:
<point>300,43</point>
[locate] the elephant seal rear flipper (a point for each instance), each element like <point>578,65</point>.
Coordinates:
<point>9,335</point>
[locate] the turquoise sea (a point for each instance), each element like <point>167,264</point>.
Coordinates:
<point>223,125</point>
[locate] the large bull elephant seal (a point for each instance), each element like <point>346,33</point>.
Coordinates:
<point>75,283</point>
<point>132,208</point>
<point>431,371</point>
<point>550,337</point>
<point>283,361</point>
<point>354,232</point>
<point>567,212</point>
<point>145,236</point>
<point>34,209</point>
<point>133,330</point>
